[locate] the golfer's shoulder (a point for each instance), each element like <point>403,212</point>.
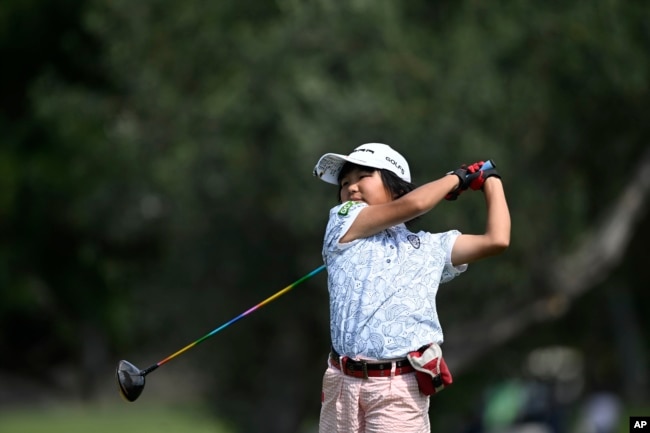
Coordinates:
<point>347,209</point>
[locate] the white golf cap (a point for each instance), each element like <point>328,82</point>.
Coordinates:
<point>375,155</point>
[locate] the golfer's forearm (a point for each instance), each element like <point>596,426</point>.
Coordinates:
<point>427,196</point>
<point>498,215</point>
<point>376,218</point>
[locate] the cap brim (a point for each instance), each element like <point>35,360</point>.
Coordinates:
<point>329,166</point>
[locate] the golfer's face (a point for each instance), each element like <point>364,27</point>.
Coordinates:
<point>363,185</point>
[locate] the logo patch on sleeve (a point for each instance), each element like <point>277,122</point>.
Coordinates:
<point>414,240</point>
<point>345,208</point>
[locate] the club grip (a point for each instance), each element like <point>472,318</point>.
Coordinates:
<point>488,164</point>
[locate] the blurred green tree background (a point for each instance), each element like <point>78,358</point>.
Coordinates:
<point>155,182</point>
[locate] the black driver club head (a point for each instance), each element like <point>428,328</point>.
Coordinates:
<point>130,380</point>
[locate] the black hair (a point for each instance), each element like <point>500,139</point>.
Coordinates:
<point>392,182</point>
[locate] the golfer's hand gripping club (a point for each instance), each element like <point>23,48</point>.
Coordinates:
<point>472,176</point>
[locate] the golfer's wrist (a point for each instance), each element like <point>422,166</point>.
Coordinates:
<point>454,181</point>
<point>491,184</point>
<point>492,180</point>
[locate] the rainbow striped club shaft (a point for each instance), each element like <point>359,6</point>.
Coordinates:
<point>235,319</point>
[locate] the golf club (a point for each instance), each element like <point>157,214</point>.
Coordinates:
<point>488,164</point>
<point>130,379</point>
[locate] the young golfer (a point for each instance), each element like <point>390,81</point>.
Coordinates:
<point>383,280</point>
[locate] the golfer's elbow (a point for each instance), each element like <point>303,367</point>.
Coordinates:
<point>499,243</point>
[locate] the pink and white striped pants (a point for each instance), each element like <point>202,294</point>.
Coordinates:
<point>373,405</point>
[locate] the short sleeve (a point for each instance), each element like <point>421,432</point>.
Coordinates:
<point>447,241</point>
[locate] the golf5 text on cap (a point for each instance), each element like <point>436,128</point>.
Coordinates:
<point>375,155</point>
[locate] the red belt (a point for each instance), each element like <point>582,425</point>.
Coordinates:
<point>365,369</point>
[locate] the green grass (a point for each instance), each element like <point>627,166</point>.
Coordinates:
<point>109,419</point>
